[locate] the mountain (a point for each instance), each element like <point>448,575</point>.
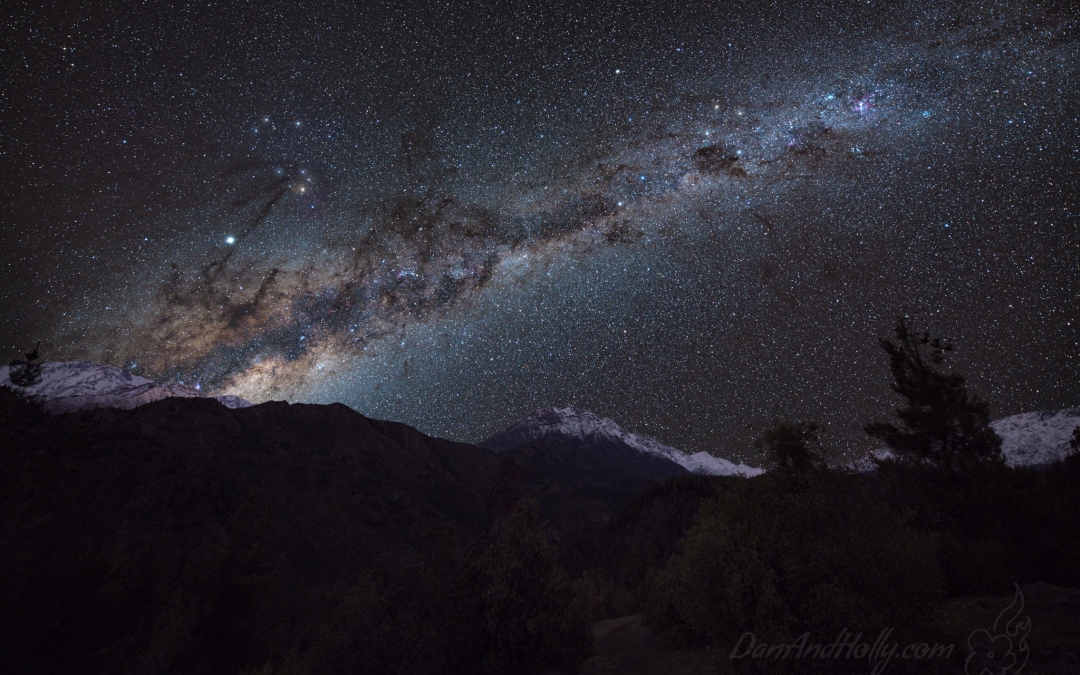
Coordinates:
<point>1027,439</point>
<point>184,536</point>
<point>181,535</point>
<point>576,427</point>
<point>70,386</point>
<point>583,468</point>
<point>1035,438</point>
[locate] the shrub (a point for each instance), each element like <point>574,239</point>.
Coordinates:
<point>996,525</point>
<point>518,606</point>
<point>792,446</point>
<point>778,562</point>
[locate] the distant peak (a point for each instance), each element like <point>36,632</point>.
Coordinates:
<point>70,386</point>
<point>586,426</point>
<point>548,415</point>
<point>1036,438</point>
<point>1028,439</point>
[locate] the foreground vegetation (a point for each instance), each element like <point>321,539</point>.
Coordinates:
<point>292,540</point>
<point>808,550</point>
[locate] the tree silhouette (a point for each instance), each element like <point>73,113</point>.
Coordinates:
<point>507,488</point>
<point>26,371</point>
<point>522,615</point>
<point>793,446</point>
<point>939,421</point>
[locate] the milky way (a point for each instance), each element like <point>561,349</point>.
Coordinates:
<point>692,219</point>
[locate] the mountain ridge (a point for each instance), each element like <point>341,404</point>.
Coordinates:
<point>587,427</point>
<point>1028,439</point>
<point>1035,438</point>
<point>72,386</point>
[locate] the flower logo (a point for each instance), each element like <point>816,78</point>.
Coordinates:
<point>1003,650</point>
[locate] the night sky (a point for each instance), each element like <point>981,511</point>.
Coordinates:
<point>689,217</point>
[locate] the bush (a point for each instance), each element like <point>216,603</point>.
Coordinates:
<point>613,562</point>
<point>519,605</point>
<point>399,617</point>
<point>778,562</point>
<point>503,607</point>
<point>996,525</point>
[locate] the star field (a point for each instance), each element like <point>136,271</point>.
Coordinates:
<point>689,217</point>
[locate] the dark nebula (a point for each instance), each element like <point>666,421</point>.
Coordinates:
<point>689,217</point>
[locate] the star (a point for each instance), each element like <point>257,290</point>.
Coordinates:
<point>475,198</point>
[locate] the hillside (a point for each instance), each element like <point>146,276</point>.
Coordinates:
<point>144,536</point>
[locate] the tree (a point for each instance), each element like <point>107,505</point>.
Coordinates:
<point>761,558</point>
<point>518,613</point>
<point>507,488</point>
<point>939,421</point>
<point>26,371</point>
<point>793,446</point>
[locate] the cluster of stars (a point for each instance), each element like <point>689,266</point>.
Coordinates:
<point>711,238</point>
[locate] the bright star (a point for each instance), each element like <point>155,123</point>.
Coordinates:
<point>230,240</point>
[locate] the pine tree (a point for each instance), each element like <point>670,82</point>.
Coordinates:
<point>26,371</point>
<point>939,421</point>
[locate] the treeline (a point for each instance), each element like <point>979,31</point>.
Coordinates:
<point>805,548</point>
<point>502,606</point>
<point>802,548</point>
<point>184,537</point>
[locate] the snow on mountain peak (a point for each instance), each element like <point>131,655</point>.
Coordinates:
<point>69,386</point>
<point>587,426</point>
<point>1037,437</point>
<point>1027,439</point>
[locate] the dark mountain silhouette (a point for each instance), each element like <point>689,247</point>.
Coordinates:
<point>182,535</point>
<point>582,485</point>
<point>583,469</point>
<point>561,428</point>
<point>148,533</point>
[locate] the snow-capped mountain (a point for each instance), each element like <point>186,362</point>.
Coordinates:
<point>586,427</point>
<point>867,463</point>
<point>1037,437</point>
<point>1027,439</point>
<point>70,386</point>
